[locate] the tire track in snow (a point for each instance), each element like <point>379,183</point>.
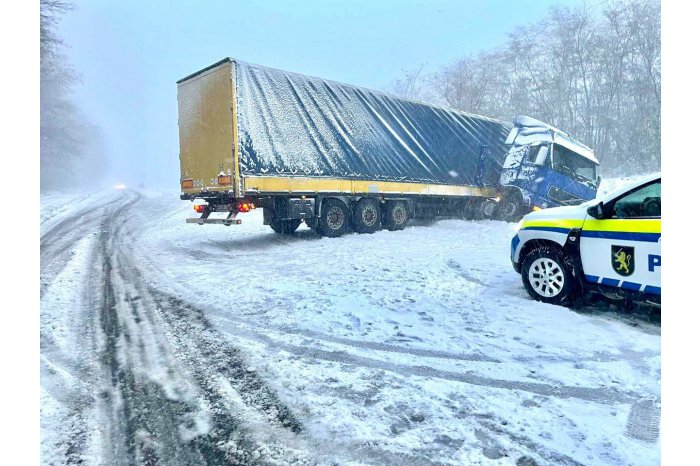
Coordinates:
<point>143,335</point>
<point>57,242</point>
<point>598,395</point>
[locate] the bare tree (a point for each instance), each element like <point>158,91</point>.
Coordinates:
<point>69,142</point>
<point>594,72</point>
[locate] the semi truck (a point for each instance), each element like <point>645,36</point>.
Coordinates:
<point>343,158</point>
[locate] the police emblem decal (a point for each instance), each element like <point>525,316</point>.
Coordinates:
<point>622,258</point>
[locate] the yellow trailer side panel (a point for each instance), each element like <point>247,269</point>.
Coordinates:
<point>206,120</point>
<point>277,184</point>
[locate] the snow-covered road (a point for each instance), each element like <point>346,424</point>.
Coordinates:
<point>172,343</point>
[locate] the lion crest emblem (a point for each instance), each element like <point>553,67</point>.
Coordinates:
<point>623,260</point>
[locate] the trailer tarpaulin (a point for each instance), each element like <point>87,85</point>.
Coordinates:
<point>295,125</point>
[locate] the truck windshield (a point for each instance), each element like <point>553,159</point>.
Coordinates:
<point>570,163</point>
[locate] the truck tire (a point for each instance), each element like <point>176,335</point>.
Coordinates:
<point>335,218</point>
<point>479,209</point>
<point>367,216</point>
<point>547,277</point>
<point>395,215</point>
<point>511,208</point>
<point>285,227</point>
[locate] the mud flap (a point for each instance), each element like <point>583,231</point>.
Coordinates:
<point>572,253</point>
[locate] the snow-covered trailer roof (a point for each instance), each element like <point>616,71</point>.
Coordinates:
<point>292,124</point>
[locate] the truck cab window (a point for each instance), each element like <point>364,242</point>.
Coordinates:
<point>537,155</point>
<point>644,202</point>
<point>568,162</point>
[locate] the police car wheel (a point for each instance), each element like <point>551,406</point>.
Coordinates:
<point>546,276</point>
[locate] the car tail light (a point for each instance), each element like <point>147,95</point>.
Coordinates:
<point>199,208</point>
<point>187,183</point>
<point>225,179</point>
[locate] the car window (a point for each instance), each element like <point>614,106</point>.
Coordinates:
<point>644,202</point>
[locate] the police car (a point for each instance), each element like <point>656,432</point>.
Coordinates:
<point>610,245</point>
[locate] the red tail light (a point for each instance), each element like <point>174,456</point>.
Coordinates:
<point>199,208</point>
<point>245,206</point>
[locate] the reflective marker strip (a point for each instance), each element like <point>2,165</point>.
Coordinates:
<point>566,224</point>
<point>626,285</point>
<point>630,225</point>
<point>629,229</point>
<point>513,246</point>
<point>609,282</point>
<point>631,286</point>
<point>623,235</point>
<point>554,229</point>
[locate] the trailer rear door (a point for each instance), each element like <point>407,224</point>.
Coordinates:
<point>207,128</point>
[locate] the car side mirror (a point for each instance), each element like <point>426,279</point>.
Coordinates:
<point>597,181</point>
<point>596,211</point>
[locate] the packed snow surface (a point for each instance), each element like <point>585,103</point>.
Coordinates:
<point>235,344</point>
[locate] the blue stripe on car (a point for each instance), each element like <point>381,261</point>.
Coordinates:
<point>554,229</point>
<point>631,286</point>
<point>513,246</point>
<point>609,282</point>
<point>624,235</point>
<point>626,285</point>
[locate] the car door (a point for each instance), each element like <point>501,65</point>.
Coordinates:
<point>623,249</point>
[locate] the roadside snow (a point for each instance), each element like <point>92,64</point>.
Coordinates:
<point>68,422</point>
<point>421,342</point>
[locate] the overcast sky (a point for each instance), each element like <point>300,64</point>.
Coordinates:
<point>130,53</point>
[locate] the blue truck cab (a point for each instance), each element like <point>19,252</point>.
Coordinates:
<point>544,167</point>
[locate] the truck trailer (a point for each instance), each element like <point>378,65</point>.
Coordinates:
<point>341,158</point>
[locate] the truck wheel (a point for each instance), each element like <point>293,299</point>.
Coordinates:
<point>395,215</point>
<point>510,208</point>
<point>367,217</point>
<point>478,209</point>
<point>285,227</point>
<point>334,220</point>
<point>547,277</point>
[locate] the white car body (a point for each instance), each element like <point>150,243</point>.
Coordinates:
<point>617,252</point>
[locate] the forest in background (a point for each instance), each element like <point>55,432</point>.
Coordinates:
<point>592,71</point>
<point>71,146</point>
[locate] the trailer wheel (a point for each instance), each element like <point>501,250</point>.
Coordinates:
<point>335,218</point>
<point>367,216</point>
<point>547,277</point>
<point>285,227</point>
<point>395,215</point>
